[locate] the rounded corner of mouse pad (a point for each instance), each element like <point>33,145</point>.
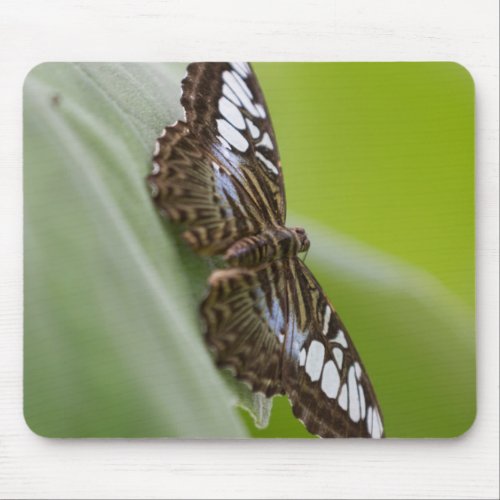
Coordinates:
<point>234,250</point>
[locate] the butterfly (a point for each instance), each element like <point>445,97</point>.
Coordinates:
<point>266,318</point>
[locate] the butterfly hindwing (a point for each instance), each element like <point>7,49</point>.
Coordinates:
<point>219,172</point>
<point>322,372</point>
<point>190,187</point>
<point>274,328</point>
<point>244,325</point>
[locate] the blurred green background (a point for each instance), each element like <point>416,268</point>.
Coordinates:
<point>379,167</point>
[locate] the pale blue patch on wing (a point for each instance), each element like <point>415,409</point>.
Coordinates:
<point>295,337</point>
<point>277,319</point>
<point>224,187</point>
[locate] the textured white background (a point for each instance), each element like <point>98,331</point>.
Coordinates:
<point>123,30</point>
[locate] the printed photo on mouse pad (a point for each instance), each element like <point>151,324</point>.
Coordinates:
<point>236,250</point>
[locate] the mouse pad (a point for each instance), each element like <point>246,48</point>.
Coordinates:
<point>231,250</point>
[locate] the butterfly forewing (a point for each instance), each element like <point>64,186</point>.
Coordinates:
<point>219,172</point>
<point>225,108</point>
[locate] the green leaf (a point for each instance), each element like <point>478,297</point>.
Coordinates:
<point>112,339</point>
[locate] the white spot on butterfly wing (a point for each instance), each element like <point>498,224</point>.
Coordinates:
<point>157,148</point>
<point>369,420</point>
<point>267,163</point>
<point>343,397</point>
<point>231,135</point>
<point>357,367</point>
<point>231,113</point>
<point>242,68</point>
<point>376,425</point>
<point>362,401</point>
<point>340,339</point>
<point>243,85</point>
<point>266,142</point>
<point>302,357</point>
<point>326,319</point>
<point>156,168</point>
<point>226,90</point>
<point>232,83</point>
<point>354,409</point>
<point>254,131</point>
<point>330,381</point>
<point>224,142</point>
<point>239,87</point>
<point>261,110</point>
<point>315,358</point>
<point>380,423</point>
<point>339,356</point>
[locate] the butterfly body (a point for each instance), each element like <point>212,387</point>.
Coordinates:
<point>266,318</point>
<point>271,244</point>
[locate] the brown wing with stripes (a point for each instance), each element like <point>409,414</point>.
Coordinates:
<point>245,324</point>
<point>219,171</point>
<point>322,372</point>
<point>275,329</point>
